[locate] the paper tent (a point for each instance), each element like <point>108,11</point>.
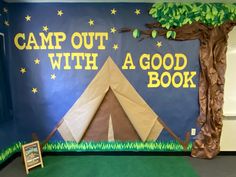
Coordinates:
<point>110,81</point>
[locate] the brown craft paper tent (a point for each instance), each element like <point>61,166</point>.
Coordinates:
<point>110,122</point>
<point>78,119</point>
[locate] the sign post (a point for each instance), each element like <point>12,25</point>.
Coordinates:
<point>32,155</point>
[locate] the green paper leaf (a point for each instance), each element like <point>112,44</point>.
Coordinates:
<point>197,18</point>
<point>173,34</point>
<point>185,21</point>
<point>168,34</point>
<point>154,34</point>
<point>214,11</point>
<point>177,14</point>
<point>221,14</point>
<point>208,16</point>
<point>195,8</point>
<point>136,33</point>
<point>152,11</point>
<point>165,11</point>
<point>167,26</point>
<point>154,15</point>
<point>208,9</point>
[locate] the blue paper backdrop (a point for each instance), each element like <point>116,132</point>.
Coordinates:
<point>40,112</point>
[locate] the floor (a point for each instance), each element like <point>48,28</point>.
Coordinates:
<point>221,166</point>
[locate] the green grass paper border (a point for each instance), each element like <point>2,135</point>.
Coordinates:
<point>114,146</point>
<point>8,152</point>
<point>69,146</point>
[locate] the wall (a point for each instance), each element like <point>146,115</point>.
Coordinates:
<point>39,101</point>
<point>229,128</point>
<point>228,140</point>
<point>230,84</point>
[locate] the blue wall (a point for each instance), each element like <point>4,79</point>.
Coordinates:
<point>40,112</point>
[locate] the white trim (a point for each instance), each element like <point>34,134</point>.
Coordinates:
<point>4,46</point>
<point>229,114</point>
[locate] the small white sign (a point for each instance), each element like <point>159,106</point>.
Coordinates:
<point>193,131</point>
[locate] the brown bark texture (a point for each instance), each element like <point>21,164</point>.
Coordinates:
<point>211,89</point>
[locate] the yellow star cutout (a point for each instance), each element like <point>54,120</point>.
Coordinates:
<point>113,30</point>
<point>34,90</point>
<point>159,44</point>
<point>115,46</point>
<point>23,70</point>
<point>60,13</point>
<point>36,61</point>
<point>91,22</point>
<point>53,76</point>
<point>6,23</point>
<point>45,28</point>
<point>113,11</point>
<point>28,18</point>
<point>137,11</point>
<point>5,10</point>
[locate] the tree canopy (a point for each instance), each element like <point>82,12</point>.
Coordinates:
<point>170,15</point>
<point>178,14</point>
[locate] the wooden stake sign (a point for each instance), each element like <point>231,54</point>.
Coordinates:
<point>32,155</point>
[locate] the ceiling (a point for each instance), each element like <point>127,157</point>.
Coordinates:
<point>150,1</point>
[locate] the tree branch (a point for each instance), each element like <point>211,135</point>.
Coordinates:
<point>186,32</point>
